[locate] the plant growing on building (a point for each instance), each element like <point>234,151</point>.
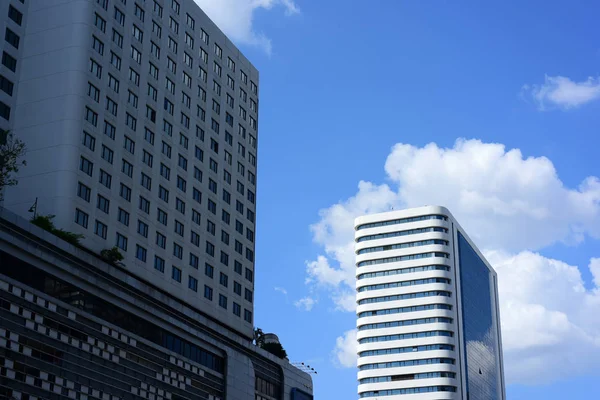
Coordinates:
<point>112,256</point>
<point>11,151</point>
<point>45,222</point>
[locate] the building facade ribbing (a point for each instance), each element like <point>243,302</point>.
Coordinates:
<point>140,120</point>
<point>427,310</point>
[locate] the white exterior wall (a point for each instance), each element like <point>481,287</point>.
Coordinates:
<point>455,382</point>
<point>48,115</point>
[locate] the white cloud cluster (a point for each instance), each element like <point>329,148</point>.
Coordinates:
<point>235,18</point>
<point>344,353</point>
<point>511,206</point>
<point>306,303</point>
<point>562,92</point>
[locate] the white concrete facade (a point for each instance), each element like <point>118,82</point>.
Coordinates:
<point>140,120</point>
<point>409,308</point>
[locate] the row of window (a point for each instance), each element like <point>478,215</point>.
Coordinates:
<point>403,284</point>
<point>402,258</point>
<point>405,296</point>
<point>408,322</point>
<point>405,336</point>
<point>407,363</point>
<point>10,37</point>
<point>401,221</point>
<point>410,349</point>
<point>401,233</point>
<point>401,271</point>
<point>396,378</point>
<point>401,310</point>
<point>395,392</point>
<point>188,60</point>
<point>403,245</point>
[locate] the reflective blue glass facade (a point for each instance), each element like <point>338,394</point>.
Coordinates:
<point>480,335</point>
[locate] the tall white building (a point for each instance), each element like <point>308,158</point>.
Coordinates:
<point>140,120</point>
<point>428,317</point>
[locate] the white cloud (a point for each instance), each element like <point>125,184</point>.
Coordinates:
<point>559,91</point>
<point>235,18</point>
<point>281,290</point>
<point>507,202</point>
<point>306,303</point>
<point>344,353</point>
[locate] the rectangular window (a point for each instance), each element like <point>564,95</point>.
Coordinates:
<point>212,206</point>
<point>93,91</point>
<point>81,218</point>
<point>163,194</point>
<point>91,116</point>
<point>237,267</point>
<point>249,255</point>
<point>138,34</point>
<point>247,315</point>
<point>105,178</point>
<point>210,249</point>
<point>212,186</point>
<point>149,136</point>
<point>190,22</point>
<point>208,292</point>
<point>161,240</point>
<point>146,181</point>
<point>15,15</point>
<point>195,217</point>
<point>84,192</point>
<point>223,301</point>
<point>134,77</point>
<point>139,12</point>
<point>117,38</point>
<point>237,309</point>
<point>140,253</point>
<point>228,139</point>
<point>86,166</point>
<point>224,258</point>
<point>193,283</point>
<point>119,17</point>
<point>226,196</point>
<point>197,174</point>
<point>125,192</point>
<point>142,228</point>
<point>189,40</point>
<point>230,64</point>
<point>169,107</point>
<point>244,77</point>
<point>147,158</point>
<point>161,216</point>
<point>200,113</point>
<point>172,45</point>
<point>209,270</point>
<point>177,251</point>
<point>195,239</point>
<point>144,205</point>
<point>111,106</point>
<point>237,288</point>
<point>204,36</point>
<point>97,45</point>
<point>158,10</point>
<point>9,61</point>
<point>197,195</point>
<point>180,205</point>
<point>165,171</point>
<point>159,264</point>
<point>194,261</point>
<point>100,229</point>
<point>224,237</point>
<point>217,69</point>
<point>123,217</point>
<point>113,83</point>
<point>185,121</point>
<point>103,204</point>
<point>181,183</point>
<point>248,295</point>
<point>239,248</point>
<point>127,168</point>
<point>89,141</point>
<point>182,162</point>
<point>176,274</point>
<point>230,82</point>
<point>12,38</point>
<point>156,29</point>
<point>216,88</point>
<point>132,99</point>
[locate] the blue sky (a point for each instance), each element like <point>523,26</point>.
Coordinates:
<point>380,92</point>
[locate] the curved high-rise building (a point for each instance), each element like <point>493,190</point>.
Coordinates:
<point>427,310</point>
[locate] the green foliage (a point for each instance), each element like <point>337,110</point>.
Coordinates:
<point>275,348</point>
<point>45,222</point>
<point>113,255</point>
<point>11,151</point>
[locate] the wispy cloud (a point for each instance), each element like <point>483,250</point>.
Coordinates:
<point>236,18</point>
<point>281,290</point>
<point>562,92</point>
<point>306,303</point>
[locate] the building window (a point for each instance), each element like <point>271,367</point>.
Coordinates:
<point>212,206</point>
<point>249,275</point>
<point>237,309</point>
<point>210,249</point>
<point>237,267</point>
<point>117,38</point>
<point>208,292</point>
<point>139,12</point>
<point>165,171</point>
<point>146,181</point>
<point>177,251</point>
<point>90,116</point>
<point>248,295</point>
<point>237,288</point>
<point>9,61</point>
<point>103,204</point>
<point>144,205</point>
<point>83,191</point>
<point>161,216</point>
<point>210,227</point>
<point>105,178</point>
<point>223,279</point>
<point>193,283</point>
<point>115,61</point>
<point>125,192</point>
<point>180,205</point>
<point>176,274</point>
<point>197,195</point>
<point>247,315</point>
<point>121,242</point>
<point>223,301</point>
<point>142,228</point>
<point>209,270</point>
<point>159,264</point>
<point>194,261</point>
<point>161,240</point>
<point>239,247</point>
<point>179,228</point>
<point>204,36</point>
<point>127,168</point>
<point>196,217</point>
<point>86,166</point>
<point>97,45</point>
<point>81,218</point>
<point>12,38</point>
<point>100,229</point>
<point>119,17</point>
<point>140,253</point>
